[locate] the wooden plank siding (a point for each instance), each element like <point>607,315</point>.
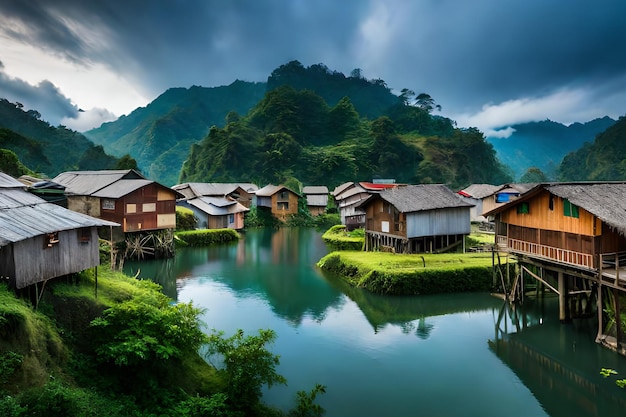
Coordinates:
<point>31,260</point>
<point>284,203</point>
<point>546,232</point>
<point>150,207</point>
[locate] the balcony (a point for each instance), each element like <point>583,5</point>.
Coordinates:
<point>536,250</point>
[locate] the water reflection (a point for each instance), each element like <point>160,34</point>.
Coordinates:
<point>439,355</point>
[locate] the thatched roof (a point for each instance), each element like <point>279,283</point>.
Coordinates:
<point>604,200</point>
<point>412,198</point>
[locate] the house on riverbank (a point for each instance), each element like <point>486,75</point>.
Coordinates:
<point>575,234</point>
<point>278,199</point>
<point>415,219</point>
<point>350,195</point>
<point>122,196</point>
<point>41,240</point>
<point>216,212</point>
<point>243,193</point>
<point>316,198</point>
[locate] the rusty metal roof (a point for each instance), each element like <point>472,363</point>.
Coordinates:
<point>24,215</point>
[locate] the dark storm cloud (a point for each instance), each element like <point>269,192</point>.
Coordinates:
<point>44,97</point>
<point>465,54</point>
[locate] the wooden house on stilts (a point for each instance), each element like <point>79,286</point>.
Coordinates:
<point>40,240</point>
<point>415,219</point>
<point>571,238</point>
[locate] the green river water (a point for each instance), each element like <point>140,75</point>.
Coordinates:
<point>444,355</point>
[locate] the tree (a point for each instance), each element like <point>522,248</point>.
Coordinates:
<point>126,162</point>
<point>533,174</point>
<point>247,366</point>
<point>426,102</point>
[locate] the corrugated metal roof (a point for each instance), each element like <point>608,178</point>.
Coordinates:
<point>121,188</point>
<point>7,181</point>
<point>90,182</point>
<point>199,189</point>
<point>315,189</point>
<point>411,198</point>
<point>270,190</point>
<point>217,206</point>
<point>24,215</point>
<point>357,189</point>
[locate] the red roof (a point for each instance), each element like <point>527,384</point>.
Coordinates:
<point>376,186</point>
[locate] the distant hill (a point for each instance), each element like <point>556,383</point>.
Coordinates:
<point>544,144</point>
<point>159,135</point>
<point>45,149</point>
<point>295,135</point>
<point>602,159</point>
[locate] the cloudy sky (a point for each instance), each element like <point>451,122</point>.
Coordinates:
<point>488,63</point>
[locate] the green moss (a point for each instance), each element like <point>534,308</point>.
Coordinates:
<point>398,274</point>
<point>339,238</point>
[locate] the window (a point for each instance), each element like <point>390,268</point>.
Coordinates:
<point>283,205</point>
<point>231,218</point>
<point>551,203</point>
<point>148,207</point>
<point>108,204</point>
<point>131,208</point>
<point>569,209</point>
<point>51,239</point>
<point>283,195</point>
<point>84,235</point>
<point>522,208</point>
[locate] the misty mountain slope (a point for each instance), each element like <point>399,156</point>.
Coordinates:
<point>600,160</point>
<point>159,135</point>
<point>46,149</point>
<point>544,144</point>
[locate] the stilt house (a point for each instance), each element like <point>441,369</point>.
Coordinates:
<point>122,196</point>
<point>416,219</point>
<point>216,212</point>
<point>41,240</point>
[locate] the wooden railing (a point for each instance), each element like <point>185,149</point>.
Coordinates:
<point>548,252</point>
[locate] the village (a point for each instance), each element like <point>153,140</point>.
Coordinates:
<point>568,238</point>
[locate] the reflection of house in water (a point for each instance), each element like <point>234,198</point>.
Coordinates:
<point>568,386</point>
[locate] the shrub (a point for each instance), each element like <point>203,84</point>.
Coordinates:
<point>338,238</point>
<point>185,219</point>
<point>207,237</point>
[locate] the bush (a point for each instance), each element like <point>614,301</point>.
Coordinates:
<point>185,219</point>
<point>207,237</point>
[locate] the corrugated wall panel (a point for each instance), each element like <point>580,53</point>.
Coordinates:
<point>452,221</point>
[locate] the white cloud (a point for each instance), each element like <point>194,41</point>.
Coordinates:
<point>88,119</point>
<point>562,106</point>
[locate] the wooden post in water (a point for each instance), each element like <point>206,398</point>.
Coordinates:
<point>563,301</point>
<point>618,320</point>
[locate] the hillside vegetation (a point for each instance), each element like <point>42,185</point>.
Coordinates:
<point>294,133</point>
<point>159,135</point>
<point>49,150</point>
<point>604,159</point>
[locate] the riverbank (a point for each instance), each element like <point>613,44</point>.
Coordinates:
<point>399,274</point>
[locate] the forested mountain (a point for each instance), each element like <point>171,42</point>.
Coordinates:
<point>45,149</point>
<point>295,134</point>
<point>159,135</point>
<point>544,144</point>
<point>604,159</point>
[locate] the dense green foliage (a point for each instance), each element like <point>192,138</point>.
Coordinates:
<point>185,219</point>
<point>159,135</point>
<point>544,144</point>
<point>49,150</point>
<point>338,238</point>
<point>393,274</point>
<point>206,237</point>
<point>10,164</point>
<point>129,351</point>
<point>604,159</point>
<point>295,133</point>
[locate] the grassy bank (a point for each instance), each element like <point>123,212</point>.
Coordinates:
<point>339,238</point>
<point>127,351</point>
<point>397,274</point>
<point>206,237</point>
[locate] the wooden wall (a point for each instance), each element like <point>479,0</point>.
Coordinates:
<point>278,205</point>
<point>540,216</point>
<point>33,261</point>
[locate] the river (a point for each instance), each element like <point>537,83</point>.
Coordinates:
<point>443,355</point>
